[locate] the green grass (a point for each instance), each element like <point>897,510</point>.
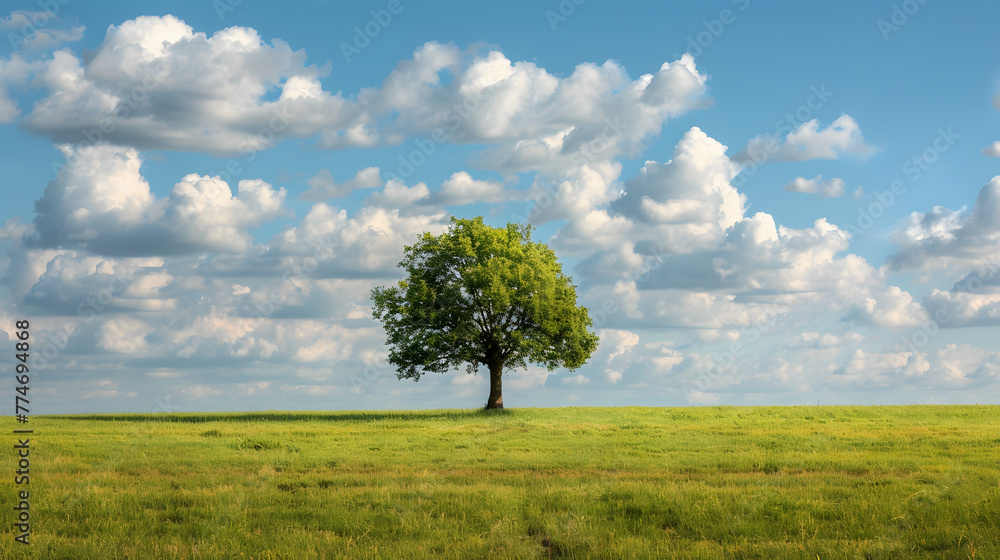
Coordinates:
<point>724,482</point>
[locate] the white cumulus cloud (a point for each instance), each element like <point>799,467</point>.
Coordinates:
<point>101,202</point>
<point>808,141</point>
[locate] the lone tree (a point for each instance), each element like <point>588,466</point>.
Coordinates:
<point>482,295</point>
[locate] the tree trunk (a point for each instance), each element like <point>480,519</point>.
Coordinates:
<point>496,397</point>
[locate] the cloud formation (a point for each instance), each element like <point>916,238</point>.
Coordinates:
<point>37,30</point>
<point>100,202</point>
<point>808,141</point>
<point>176,288</point>
<point>693,258</point>
<point>156,83</point>
<point>942,238</point>
<point>322,186</point>
<point>831,188</point>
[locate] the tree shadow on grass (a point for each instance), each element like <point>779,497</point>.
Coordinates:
<point>289,416</point>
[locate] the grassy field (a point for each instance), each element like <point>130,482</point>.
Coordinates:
<point>725,482</point>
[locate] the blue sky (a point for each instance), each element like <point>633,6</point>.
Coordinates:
<point>781,203</point>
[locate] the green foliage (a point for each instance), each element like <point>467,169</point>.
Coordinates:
<point>478,295</point>
<point>714,482</point>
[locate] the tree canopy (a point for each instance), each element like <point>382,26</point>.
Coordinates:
<point>479,295</point>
